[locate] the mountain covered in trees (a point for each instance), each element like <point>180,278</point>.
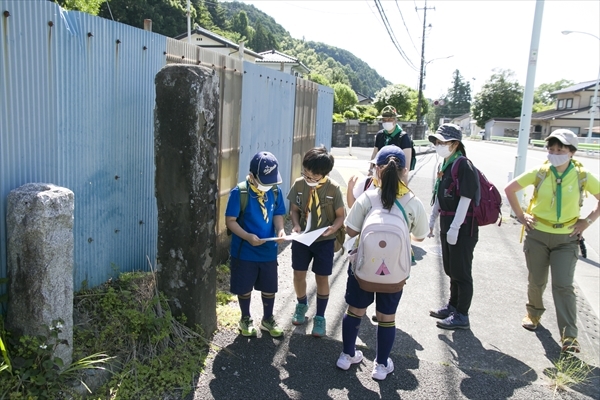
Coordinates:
<point>240,21</point>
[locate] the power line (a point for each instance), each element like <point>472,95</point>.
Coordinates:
<point>392,36</point>
<point>410,37</point>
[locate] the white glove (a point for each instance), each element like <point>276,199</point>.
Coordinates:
<point>435,212</point>
<point>452,236</point>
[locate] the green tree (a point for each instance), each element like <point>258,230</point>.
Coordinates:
<point>320,79</point>
<point>542,99</point>
<point>401,97</point>
<point>501,96</point>
<point>86,6</point>
<point>458,98</point>
<point>260,40</point>
<point>344,98</point>
<point>217,13</point>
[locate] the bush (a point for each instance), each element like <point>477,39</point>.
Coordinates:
<point>338,118</point>
<point>350,115</point>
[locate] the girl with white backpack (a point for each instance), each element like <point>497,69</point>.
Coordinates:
<point>386,218</point>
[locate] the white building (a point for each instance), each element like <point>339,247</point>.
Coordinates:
<point>282,62</point>
<point>210,40</point>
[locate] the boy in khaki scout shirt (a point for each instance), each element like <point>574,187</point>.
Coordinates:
<point>319,197</point>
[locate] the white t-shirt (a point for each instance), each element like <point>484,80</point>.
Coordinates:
<point>359,187</point>
<point>417,217</point>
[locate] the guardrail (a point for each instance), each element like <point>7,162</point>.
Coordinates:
<point>581,146</point>
<point>504,139</point>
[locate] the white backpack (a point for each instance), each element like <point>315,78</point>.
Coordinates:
<point>383,259</point>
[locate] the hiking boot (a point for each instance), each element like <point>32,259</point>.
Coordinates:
<point>318,326</point>
<point>380,371</point>
<point>345,360</point>
<point>443,312</point>
<point>246,327</point>
<point>570,345</point>
<point>299,317</point>
<point>455,320</point>
<point>530,322</point>
<point>271,326</point>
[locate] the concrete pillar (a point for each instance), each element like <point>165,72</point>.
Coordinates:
<point>186,150</point>
<point>39,224</point>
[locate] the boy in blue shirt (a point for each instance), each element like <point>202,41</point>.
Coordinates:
<point>254,260</point>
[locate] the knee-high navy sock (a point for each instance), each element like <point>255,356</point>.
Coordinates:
<point>302,300</point>
<point>268,301</point>
<point>386,333</point>
<point>350,326</point>
<point>244,301</point>
<point>322,300</point>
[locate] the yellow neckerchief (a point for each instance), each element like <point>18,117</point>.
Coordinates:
<point>313,197</point>
<point>449,161</point>
<point>262,198</point>
<point>402,188</point>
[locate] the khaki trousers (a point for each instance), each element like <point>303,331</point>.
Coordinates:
<point>556,253</point>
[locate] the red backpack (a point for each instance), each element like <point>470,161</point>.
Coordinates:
<point>487,204</point>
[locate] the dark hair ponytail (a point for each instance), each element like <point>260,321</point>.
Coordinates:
<point>390,177</point>
<point>461,148</point>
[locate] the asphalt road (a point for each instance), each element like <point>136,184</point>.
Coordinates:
<point>495,359</point>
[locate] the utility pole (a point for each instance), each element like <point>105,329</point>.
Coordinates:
<point>418,133</point>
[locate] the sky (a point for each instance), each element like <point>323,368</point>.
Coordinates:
<point>478,35</point>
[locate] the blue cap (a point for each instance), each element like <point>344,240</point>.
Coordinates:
<point>265,168</point>
<point>388,151</point>
<point>446,133</point>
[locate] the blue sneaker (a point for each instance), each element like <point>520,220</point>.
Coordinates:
<point>443,312</point>
<point>300,314</point>
<point>318,326</point>
<point>455,320</point>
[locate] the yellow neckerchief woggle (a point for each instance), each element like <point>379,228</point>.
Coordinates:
<point>262,198</point>
<point>313,197</point>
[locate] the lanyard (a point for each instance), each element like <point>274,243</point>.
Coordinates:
<point>441,173</point>
<point>559,188</point>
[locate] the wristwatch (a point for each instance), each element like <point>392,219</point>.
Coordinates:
<point>589,221</point>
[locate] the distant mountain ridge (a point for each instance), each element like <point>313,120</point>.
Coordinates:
<point>346,68</point>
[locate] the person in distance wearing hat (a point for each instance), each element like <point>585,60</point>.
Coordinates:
<point>392,134</point>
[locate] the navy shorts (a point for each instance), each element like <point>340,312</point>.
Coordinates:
<point>386,303</point>
<point>246,275</point>
<point>320,253</point>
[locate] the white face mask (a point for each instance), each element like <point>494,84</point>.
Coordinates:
<point>389,126</point>
<point>443,151</point>
<point>311,184</point>
<point>263,188</point>
<point>558,159</point>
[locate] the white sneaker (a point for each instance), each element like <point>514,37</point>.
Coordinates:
<point>380,371</point>
<point>345,361</point>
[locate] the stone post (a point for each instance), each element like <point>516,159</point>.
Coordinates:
<point>40,242</point>
<point>186,150</point>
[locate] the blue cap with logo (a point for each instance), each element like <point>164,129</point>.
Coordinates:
<point>388,151</point>
<point>265,168</point>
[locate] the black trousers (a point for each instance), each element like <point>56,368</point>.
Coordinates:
<point>458,264</point>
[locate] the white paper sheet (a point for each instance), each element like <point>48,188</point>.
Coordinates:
<point>305,238</point>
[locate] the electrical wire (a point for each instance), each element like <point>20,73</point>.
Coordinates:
<point>410,37</point>
<point>392,36</point>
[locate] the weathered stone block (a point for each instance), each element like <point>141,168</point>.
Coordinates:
<point>39,223</point>
<point>186,151</point>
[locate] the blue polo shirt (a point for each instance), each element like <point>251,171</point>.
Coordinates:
<point>254,222</point>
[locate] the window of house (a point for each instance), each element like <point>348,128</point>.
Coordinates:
<point>561,104</point>
<point>569,103</point>
<point>537,129</point>
<point>573,129</point>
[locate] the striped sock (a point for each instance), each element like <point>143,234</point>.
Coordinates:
<point>302,300</point>
<point>244,301</point>
<point>386,333</point>
<point>322,304</point>
<point>350,326</point>
<point>268,301</point>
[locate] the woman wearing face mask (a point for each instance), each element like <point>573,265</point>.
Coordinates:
<point>553,224</point>
<point>458,230</point>
<point>392,134</point>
